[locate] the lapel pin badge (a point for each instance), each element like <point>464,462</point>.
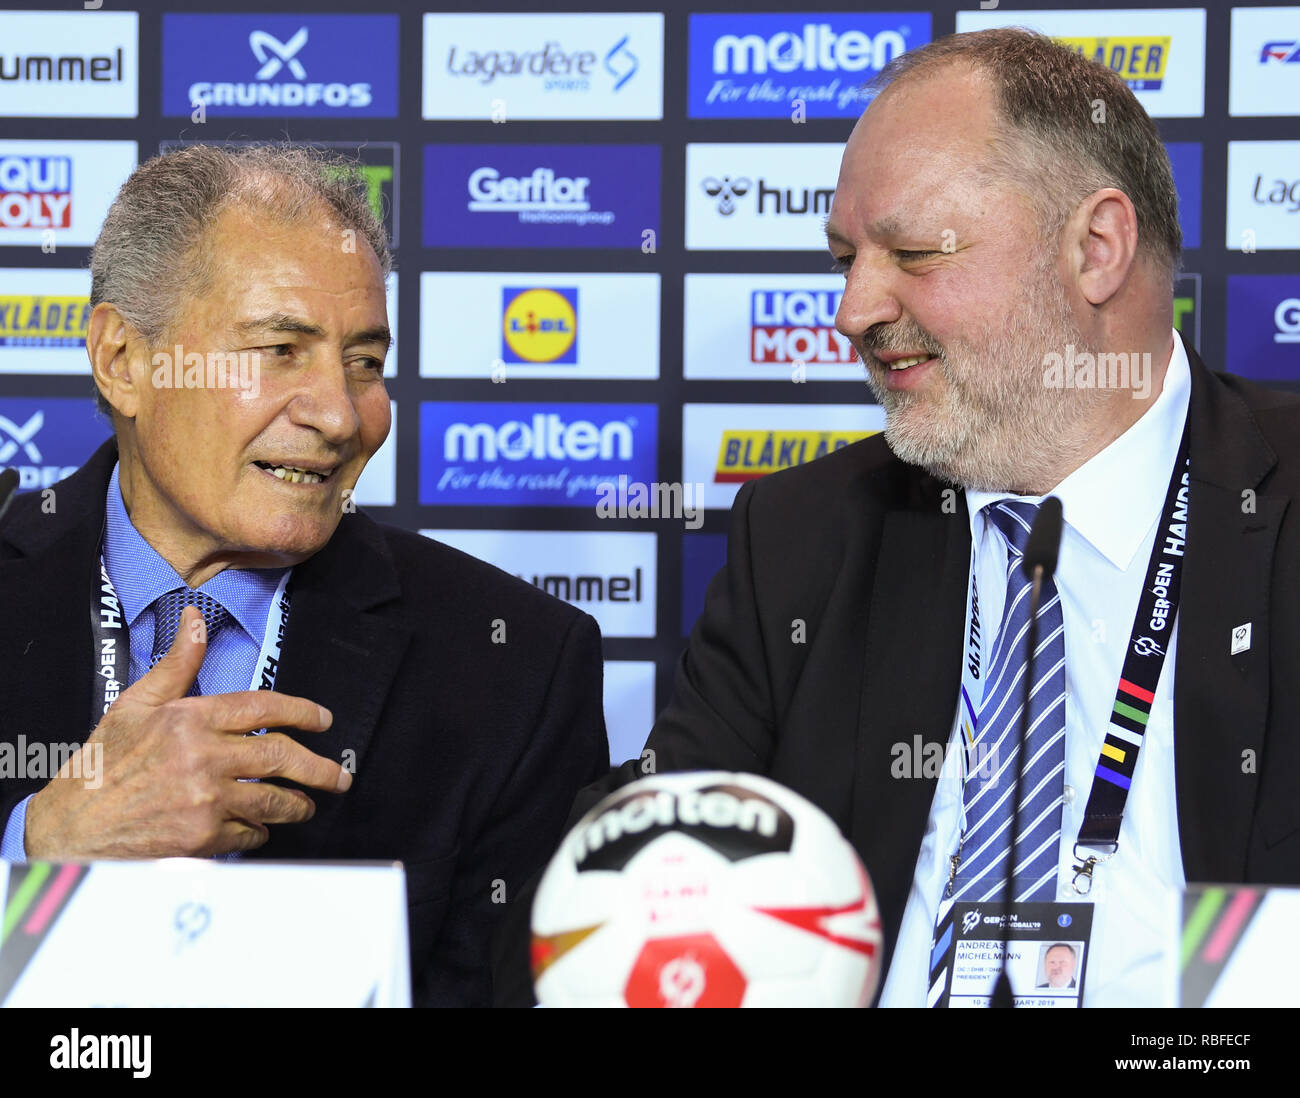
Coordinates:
<point>1240,639</point>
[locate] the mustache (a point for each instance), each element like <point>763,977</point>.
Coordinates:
<point>885,338</point>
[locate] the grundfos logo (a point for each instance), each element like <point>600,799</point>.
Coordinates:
<point>266,64</point>
<point>545,437</point>
<point>273,56</point>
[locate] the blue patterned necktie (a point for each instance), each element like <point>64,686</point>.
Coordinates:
<point>167,621</point>
<point>990,787</point>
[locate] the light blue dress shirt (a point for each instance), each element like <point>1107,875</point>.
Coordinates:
<point>139,576</point>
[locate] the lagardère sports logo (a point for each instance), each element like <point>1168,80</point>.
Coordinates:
<point>250,65</point>
<point>755,66</point>
<point>543,66</point>
<point>556,454</point>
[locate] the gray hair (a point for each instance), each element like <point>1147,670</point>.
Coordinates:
<point>149,258</point>
<point>1051,147</point>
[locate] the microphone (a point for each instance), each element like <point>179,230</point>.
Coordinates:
<point>8,486</point>
<point>1042,548</point>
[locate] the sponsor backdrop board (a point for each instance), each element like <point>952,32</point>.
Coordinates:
<point>609,231</point>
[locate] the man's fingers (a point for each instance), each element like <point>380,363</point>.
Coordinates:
<point>240,835</point>
<point>263,803</point>
<point>173,675</point>
<point>277,756</point>
<point>251,709</point>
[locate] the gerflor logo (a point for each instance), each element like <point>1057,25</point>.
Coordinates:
<point>621,63</point>
<point>284,53</point>
<point>726,190</point>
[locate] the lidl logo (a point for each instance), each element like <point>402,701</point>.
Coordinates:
<point>1140,59</point>
<point>539,324</point>
<point>748,455</point>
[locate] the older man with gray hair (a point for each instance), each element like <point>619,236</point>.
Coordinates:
<point>206,574</point>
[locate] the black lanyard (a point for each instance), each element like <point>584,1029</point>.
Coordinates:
<point>1143,660</point>
<point>111,643</point>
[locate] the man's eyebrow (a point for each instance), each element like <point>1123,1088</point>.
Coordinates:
<point>283,322</point>
<point>278,322</point>
<point>885,227</point>
<point>832,233</point>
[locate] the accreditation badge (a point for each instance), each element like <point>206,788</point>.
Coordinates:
<point>1046,947</point>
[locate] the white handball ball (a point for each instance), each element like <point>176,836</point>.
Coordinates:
<point>705,889</point>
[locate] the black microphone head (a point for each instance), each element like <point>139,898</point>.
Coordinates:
<point>8,485</point>
<point>1044,542</point>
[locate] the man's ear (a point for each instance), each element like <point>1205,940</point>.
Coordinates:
<point>1102,238</point>
<point>119,358</point>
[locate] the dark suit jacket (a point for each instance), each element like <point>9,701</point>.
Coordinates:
<point>468,753</point>
<point>860,548</point>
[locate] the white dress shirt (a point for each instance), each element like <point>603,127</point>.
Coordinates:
<point>1111,507</point>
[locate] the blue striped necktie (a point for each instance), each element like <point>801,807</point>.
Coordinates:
<point>167,610</point>
<point>990,786</point>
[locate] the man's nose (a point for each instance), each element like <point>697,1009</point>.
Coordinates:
<point>869,298</point>
<point>325,402</point>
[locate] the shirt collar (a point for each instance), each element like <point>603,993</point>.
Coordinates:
<point>139,574</point>
<point>1113,498</point>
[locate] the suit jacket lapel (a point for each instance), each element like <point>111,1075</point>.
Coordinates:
<point>1221,699</point>
<point>47,593</point>
<point>912,676</point>
<point>342,656</point>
